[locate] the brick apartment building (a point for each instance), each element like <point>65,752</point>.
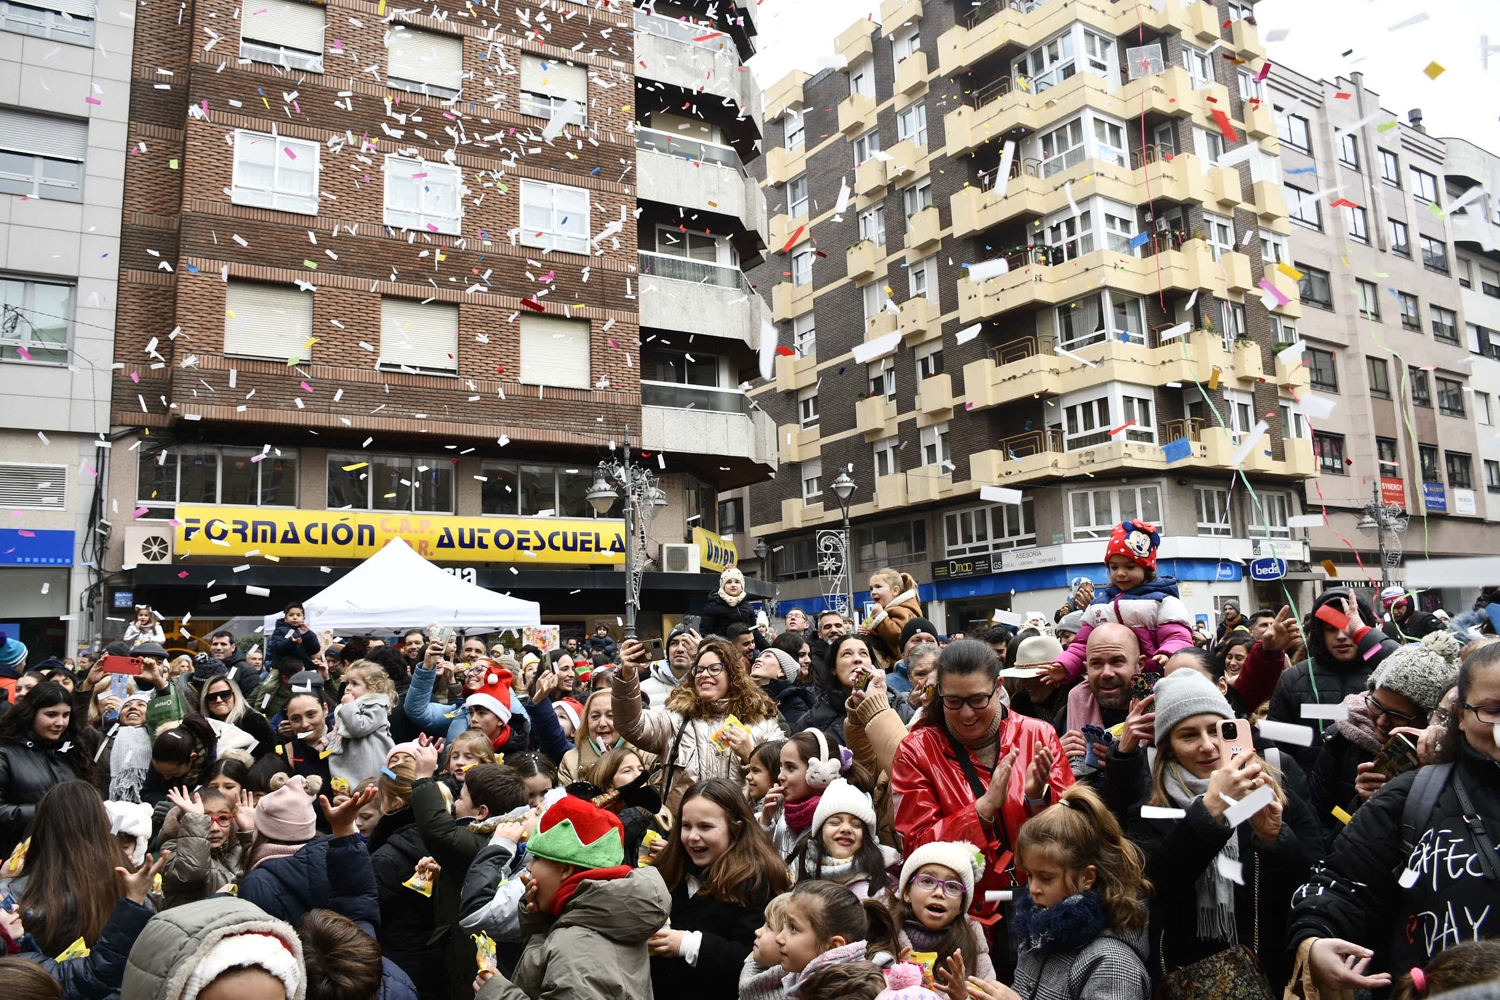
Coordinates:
<point>1110,367</point>
<point>380,276</point>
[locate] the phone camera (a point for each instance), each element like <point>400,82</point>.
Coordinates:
<point>1230,731</point>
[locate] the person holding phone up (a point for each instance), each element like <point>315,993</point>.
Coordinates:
<point>1220,890</point>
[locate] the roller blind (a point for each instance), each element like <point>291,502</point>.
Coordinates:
<point>555,351</point>
<point>267,321</point>
<point>418,335</point>
<point>556,79</point>
<point>294,25</point>
<point>75,8</point>
<point>43,135</point>
<point>427,57</point>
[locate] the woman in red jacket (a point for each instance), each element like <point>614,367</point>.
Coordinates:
<point>972,770</point>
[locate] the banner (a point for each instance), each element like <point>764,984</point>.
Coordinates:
<point>715,551</point>
<point>347,534</point>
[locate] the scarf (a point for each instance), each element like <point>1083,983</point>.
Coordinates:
<point>923,938</point>
<point>601,751</point>
<point>1070,924</point>
<point>733,602</point>
<point>270,850</point>
<point>129,760</point>
<point>799,815</point>
<point>854,951</point>
<point>1215,892</point>
<point>1359,728</point>
<point>841,872</point>
<point>502,737</point>
<point>572,884</point>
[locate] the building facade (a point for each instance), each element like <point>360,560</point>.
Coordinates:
<point>65,93</point>
<point>1025,260</point>
<point>383,278</point>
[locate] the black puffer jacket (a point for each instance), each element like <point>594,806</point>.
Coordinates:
<point>101,972</point>
<point>718,616</point>
<point>1417,624</point>
<point>242,673</point>
<point>1320,679</point>
<point>27,770</point>
<point>1332,779</point>
<point>407,917</point>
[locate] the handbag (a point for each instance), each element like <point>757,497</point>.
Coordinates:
<point>1234,972</point>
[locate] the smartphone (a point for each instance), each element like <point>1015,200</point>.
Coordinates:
<point>1235,741</point>
<point>655,650</point>
<point>1398,756</point>
<point>122,664</point>
<point>1143,685</point>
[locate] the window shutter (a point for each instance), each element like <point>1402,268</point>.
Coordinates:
<point>36,487</point>
<point>419,336</point>
<point>554,78</point>
<point>294,25</point>
<point>427,57</point>
<point>555,351</point>
<point>74,8</point>
<point>43,135</point>
<point>267,321</point>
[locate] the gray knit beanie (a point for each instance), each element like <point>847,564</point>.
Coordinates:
<point>1182,694</point>
<point>1423,671</point>
<point>789,667</point>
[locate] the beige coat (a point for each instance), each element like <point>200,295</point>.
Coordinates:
<point>874,731</point>
<point>889,621</point>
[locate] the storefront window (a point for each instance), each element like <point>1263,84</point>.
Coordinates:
<point>536,490</point>
<point>390,482</point>
<point>246,477</point>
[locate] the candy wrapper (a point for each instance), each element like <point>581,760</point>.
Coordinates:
<point>78,949</point>
<point>421,883</point>
<point>650,838</point>
<point>340,785</point>
<point>484,952</point>
<point>718,740</point>
<point>17,860</point>
<point>928,961</point>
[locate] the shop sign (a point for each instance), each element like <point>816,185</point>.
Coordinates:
<point>1392,490</point>
<point>35,547</point>
<point>1463,502</point>
<point>1435,496</point>
<point>124,600</point>
<point>715,552</point>
<point>1265,570</point>
<point>962,567</point>
<point>1018,559</point>
<point>319,534</point>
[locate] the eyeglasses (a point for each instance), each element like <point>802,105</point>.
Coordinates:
<point>219,696</point>
<point>930,883</point>
<point>711,669</point>
<point>1488,714</point>
<point>1377,709</point>
<point>954,703</point>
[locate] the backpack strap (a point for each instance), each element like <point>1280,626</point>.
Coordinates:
<point>1421,798</point>
<point>1475,822</point>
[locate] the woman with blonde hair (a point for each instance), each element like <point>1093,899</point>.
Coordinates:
<point>596,736</point>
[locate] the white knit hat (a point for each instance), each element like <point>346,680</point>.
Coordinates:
<point>842,797</point>
<point>133,819</point>
<point>959,856</point>
<point>280,956</point>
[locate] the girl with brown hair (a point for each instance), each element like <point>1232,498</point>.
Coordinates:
<point>896,594</point>
<point>71,886</point>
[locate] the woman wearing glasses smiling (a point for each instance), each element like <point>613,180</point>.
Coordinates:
<point>1416,869</point>
<point>972,770</point>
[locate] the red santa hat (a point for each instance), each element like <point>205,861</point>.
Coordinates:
<point>494,693</point>
<point>1136,541</point>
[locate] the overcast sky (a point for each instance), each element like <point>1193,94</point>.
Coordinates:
<point>1463,101</point>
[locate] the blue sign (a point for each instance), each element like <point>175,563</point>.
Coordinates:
<point>1435,496</point>
<point>35,547</point>
<point>1265,570</point>
<point>1227,571</point>
<point>124,600</point>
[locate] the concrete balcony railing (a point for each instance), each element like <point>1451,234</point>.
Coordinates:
<point>1270,205</point>
<point>783,164</point>
<point>789,301</point>
<point>907,163</point>
<point>692,296</point>
<point>923,232</point>
<point>934,399</point>
<point>919,321</point>
<point>1291,290</point>
<point>856,115</point>
<point>675,171</point>
<point>911,73</point>
<point>930,482</point>
<point>880,325</point>
<point>890,492</point>
<point>875,417</point>
<point>696,420</point>
<point>1200,21</point>
<point>1224,185</point>
<point>785,93</point>
<point>797,513</point>
<point>1236,271</point>
<point>1023,24</point>
<point>1244,38</point>
<point>870,178</point>
<point>793,372</point>
<point>665,50</point>
<point>1249,365</point>
<point>861,258</point>
<point>1295,378</point>
<point>856,41</point>
<point>896,14</point>
<point>798,444</point>
<point>784,228</point>
<point>1259,121</point>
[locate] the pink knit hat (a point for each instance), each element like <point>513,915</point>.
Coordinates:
<point>904,982</point>
<point>286,813</point>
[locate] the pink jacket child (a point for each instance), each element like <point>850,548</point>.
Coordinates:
<point>1136,598</point>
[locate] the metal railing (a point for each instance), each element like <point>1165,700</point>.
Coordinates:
<point>1188,427</point>
<point>1152,152</point>
<point>683,148</point>
<point>1030,443</point>
<point>680,31</point>
<point>989,8</point>
<point>701,272</point>
<point>693,397</point>
<point>1016,350</point>
<point>992,91</point>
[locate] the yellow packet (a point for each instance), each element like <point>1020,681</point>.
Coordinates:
<point>718,740</point>
<point>156,882</point>
<point>650,838</point>
<point>928,961</point>
<point>484,952</point>
<point>421,883</point>
<point>75,950</point>
<point>340,785</point>
<point>17,859</point>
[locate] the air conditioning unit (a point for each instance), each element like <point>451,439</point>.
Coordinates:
<point>679,558</point>
<point>147,544</point>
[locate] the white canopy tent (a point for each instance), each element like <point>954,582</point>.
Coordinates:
<point>397,588</point>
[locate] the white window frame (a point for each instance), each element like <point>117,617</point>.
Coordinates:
<point>273,196</point>
<point>872,299</point>
<point>442,90</point>
<point>796,197</point>
<point>288,57</point>
<point>886,456</point>
<point>1220,230</point>
<point>862,78</point>
<point>929,360</point>
<point>906,42</point>
<point>805,333</point>
<point>1109,300</point>
<point>430,214</point>
<point>917,197</point>
<point>922,280</point>
<point>1213,502</point>
<point>23,332</point>
<point>995,528</point>
<point>1199,65</point>
<point>1482,409</point>
<point>49,21</point>
<point>911,123</point>
<point>1273,248</point>
<point>1098,410</point>
<point>1250,88</point>
<point>883,370</point>
<point>396,343</point>
<point>811,473</point>
<point>544,197</point>
<point>292,299</point>
<point>542,372</point>
<point>802,266</point>
<point>934,444</point>
<point>1277,507</point>
<point>866,146</point>
<point>872,224</point>
<point>1103,529</point>
<point>796,129</point>
<point>807,407</point>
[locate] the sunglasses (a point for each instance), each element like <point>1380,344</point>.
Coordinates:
<point>219,696</point>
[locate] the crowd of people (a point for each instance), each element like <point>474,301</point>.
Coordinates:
<point>1102,802</point>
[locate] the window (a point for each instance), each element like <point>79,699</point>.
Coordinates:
<point>1428,457</point>
<point>272,171</point>
<point>1482,409</point>
<point>872,225</point>
<point>705,247</point>
<point>1274,508</point>
<point>546,87</point>
<point>802,264</point>
<point>807,406</point>
<point>917,197</point>
<point>883,379</point>
<point>1108,315</point>
<point>1109,141</point>
<point>906,42</point>
<point>1210,145</point>
<point>555,351</point>
<point>554,217</point>
<point>1390,167</point>
<point>1421,392</point>
<point>1489,281</point>
<point>1330,451</point>
<point>425,62</point>
<point>805,333</point>
<point>1314,286</point>
<point>1349,150</point>
<point>267,321</point>
<point>682,368</point>
<point>1465,273</point>
<point>1250,89</point>
<point>1273,248</point>
<point>244,477</point>
<point>922,280</point>
<point>1423,185</point>
<point>1444,324</point>
<point>911,123</point>
<point>361,481</point>
<point>1400,237</point>
<point>289,35</point>
<point>989,529</point>
<point>1293,423</point>
<point>1434,254</point>
<point>1096,512</point>
<point>1220,234</point>
<point>1354,220</point>
<point>1385,454</point>
<point>812,481</point>
<point>1411,311</point>
<point>1483,340</point>
<point>731,516</point>
<point>556,491</point>
<point>424,196</point>
<point>1459,470</point>
<point>1213,511</point>
<point>1063,147</point>
<point>796,197</point>
<point>1450,397</point>
<point>862,78</point>
<point>1323,373</point>
<point>796,132</point>
<point>1087,424</point>
<point>934,442</point>
<point>39,316</point>
<point>1492,475</point>
<point>797,559</point>
<point>1048,64</point>
<point>1239,405</point>
<point>70,21</point>
<point>1165,142</point>
<point>866,146</point>
<point>1303,207</point>
<point>929,360</point>
<point>416,336</point>
<point>1292,129</point>
<point>1380,377</point>
<point>42,156</point>
<point>1199,65</point>
<point>1369,299</point>
<point>887,456</point>
<point>872,299</point>
<point>888,544</point>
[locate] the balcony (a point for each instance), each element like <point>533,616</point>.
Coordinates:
<point>665,50</point>
<point>1202,20</point>
<point>856,41</point>
<point>907,163</point>
<point>1295,378</point>
<point>698,420</point>
<point>882,324</point>
<point>783,229</point>
<point>789,301</point>
<point>890,492</point>
<point>934,399</point>
<point>856,115</point>
<point>1236,271</point>
<point>875,417</point>
<point>1270,205</point>
<point>693,296</point>
<point>923,231</point>
<point>784,93</point>
<point>798,444</point>
<point>911,73</point>
<point>931,482</point>
<point>919,321</point>
<point>894,14</point>
<point>1224,184</point>
<point>1259,121</point>
<point>796,513</point>
<point>861,258</point>
<point>1010,26</point>
<point>1291,290</point>
<point>1249,366</point>
<point>1244,38</point>
<point>700,175</point>
<point>793,372</point>
<point>869,178</point>
<point>783,164</point>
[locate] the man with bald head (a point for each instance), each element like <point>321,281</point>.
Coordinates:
<point>1103,699</point>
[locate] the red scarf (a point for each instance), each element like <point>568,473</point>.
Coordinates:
<point>572,883</point>
<point>501,738</point>
<point>799,815</point>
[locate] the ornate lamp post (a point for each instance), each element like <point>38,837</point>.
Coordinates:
<point>638,486</point>
<point>834,562</point>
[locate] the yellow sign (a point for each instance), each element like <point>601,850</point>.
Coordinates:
<point>347,534</point>
<point>715,552</point>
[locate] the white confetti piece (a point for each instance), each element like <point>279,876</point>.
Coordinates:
<point>1287,732</point>
<point>998,494</point>
<point>1251,804</point>
<point>257,591</point>
<point>1162,812</point>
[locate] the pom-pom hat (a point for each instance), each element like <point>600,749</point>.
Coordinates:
<point>494,694</point>
<point>842,797</point>
<point>574,831</point>
<point>903,981</point>
<point>1136,541</point>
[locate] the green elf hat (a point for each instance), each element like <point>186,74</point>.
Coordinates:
<point>574,831</point>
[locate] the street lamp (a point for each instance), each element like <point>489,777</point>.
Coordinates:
<point>835,565</point>
<point>638,486</point>
<point>1384,517</point>
<point>763,553</point>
